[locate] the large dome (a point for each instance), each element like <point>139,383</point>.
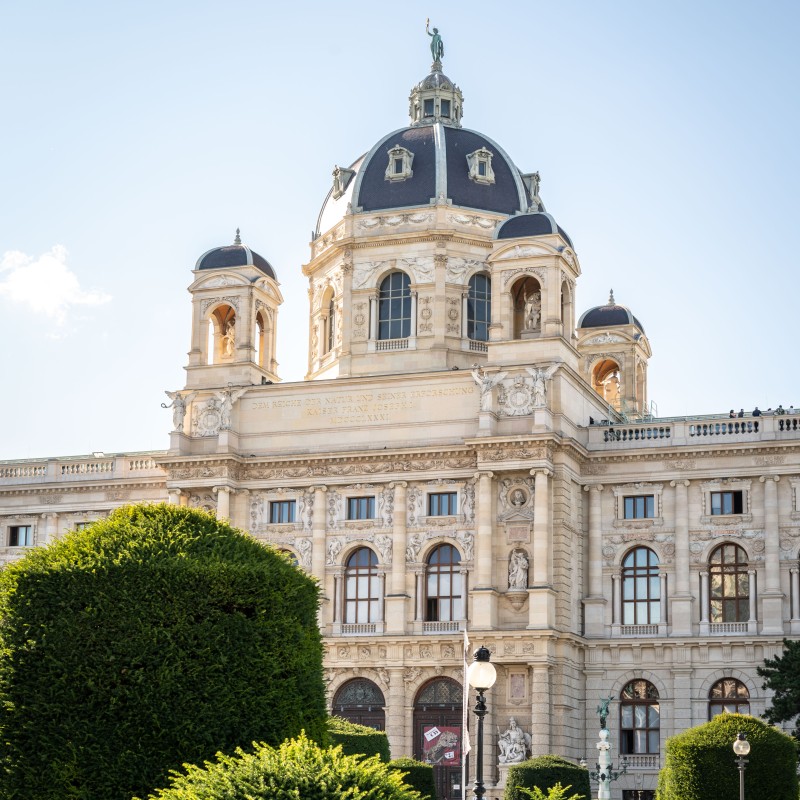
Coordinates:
<point>432,160</point>
<point>234,255</point>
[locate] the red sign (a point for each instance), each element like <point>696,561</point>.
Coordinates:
<point>442,745</point>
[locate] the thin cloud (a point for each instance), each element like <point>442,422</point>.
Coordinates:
<point>45,285</point>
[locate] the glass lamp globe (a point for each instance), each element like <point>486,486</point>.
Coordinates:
<point>740,745</point>
<point>481,673</point>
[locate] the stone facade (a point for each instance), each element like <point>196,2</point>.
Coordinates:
<point>507,481</point>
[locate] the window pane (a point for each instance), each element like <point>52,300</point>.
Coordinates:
<point>655,588</point>
<point>627,589</point>
<point>650,506</point>
<point>655,613</point>
<point>457,613</point>
<point>653,741</point>
<point>653,717</point>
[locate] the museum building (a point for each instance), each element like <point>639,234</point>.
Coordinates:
<point>467,452</point>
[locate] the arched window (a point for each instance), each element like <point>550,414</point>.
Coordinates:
<point>641,589</point>
<point>222,335</point>
<point>362,593</point>
<point>260,333</point>
<point>443,596</point>
<point>479,307</point>
<point>639,718</point>
<point>290,555</point>
<point>607,381</point>
<point>728,695</point>
<point>361,701</point>
<point>330,338</point>
<point>729,584</point>
<point>394,307</point>
<point>527,298</point>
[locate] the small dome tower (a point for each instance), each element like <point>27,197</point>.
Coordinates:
<point>235,299</point>
<point>614,355</point>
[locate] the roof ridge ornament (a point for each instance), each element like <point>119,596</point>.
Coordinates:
<point>238,238</point>
<point>611,300</point>
<point>437,46</point>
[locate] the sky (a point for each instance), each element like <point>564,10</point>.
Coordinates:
<point>134,137</point>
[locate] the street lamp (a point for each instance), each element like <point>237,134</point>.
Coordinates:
<point>742,748</point>
<point>481,676</point>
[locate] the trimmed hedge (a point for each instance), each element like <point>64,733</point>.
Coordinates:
<point>700,763</point>
<point>419,776</point>
<point>155,637</point>
<point>545,772</point>
<point>297,769</point>
<point>356,739</point>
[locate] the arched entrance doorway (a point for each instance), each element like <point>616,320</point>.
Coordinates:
<point>361,701</point>
<point>437,734</point>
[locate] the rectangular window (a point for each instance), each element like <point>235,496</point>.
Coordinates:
<point>428,108</point>
<point>398,166</point>
<point>79,526</point>
<point>20,536</point>
<point>482,168</point>
<point>360,508</point>
<point>281,511</point>
<point>727,503</point>
<point>445,106</point>
<point>443,504</point>
<point>640,507</point>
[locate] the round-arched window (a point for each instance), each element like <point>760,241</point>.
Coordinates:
<point>362,593</point>
<point>728,696</point>
<point>479,307</point>
<point>394,307</point>
<point>639,718</point>
<point>443,595</point>
<point>729,584</point>
<point>641,589</point>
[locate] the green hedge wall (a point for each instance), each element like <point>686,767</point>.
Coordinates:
<point>545,772</point>
<point>357,739</point>
<point>700,763</point>
<point>419,776</point>
<point>297,769</point>
<point>155,637</point>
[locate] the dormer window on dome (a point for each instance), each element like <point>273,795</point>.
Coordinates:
<point>341,180</point>
<point>480,166</point>
<point>399,166</point>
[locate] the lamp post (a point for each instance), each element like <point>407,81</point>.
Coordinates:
<point>742,748</point>
<point>481,676</point>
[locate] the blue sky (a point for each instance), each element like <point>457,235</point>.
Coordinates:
<point>135,137</point>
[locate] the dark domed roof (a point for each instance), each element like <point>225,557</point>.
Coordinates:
<point>436,80</point>
<point>608,315</point>
<point>439,169</point>
<point>234,255</point>
<point>539,223</point>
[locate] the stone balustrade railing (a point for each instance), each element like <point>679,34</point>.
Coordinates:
<point>55,470</point>
<point>682,431</point>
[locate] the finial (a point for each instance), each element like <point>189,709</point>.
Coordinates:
<point>238,239</point>
<point>437,45</point>
<point>611,300</point>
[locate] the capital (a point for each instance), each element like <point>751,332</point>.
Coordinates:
<point>484,475</point>
<point>320,488</point>
<point>398,485</point>
<point>590,486</point>
<point>767,478</point>
<point>683,483</point>
<point>541,471</point>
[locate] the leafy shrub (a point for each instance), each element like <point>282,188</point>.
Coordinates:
<point>296,769</point>
<point>155,637</point>
<point>419,776</point>
<point>356,739</point>
<point>700,763</point>
<point>544,772</point>
<point>557,792</point>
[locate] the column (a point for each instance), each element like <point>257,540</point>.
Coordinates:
<point>396,712</point>
<point>615,602</point>
<point>484,597</point>
<point>397,597</point>
<point>373,318</point>
<point>464,316</point>
<point>704,625</point>
<point>541,598</point>
<point>50,528</point>
<point>594,604</point>
<point>772,596</point>
<point>318,554</point>
<point>541,718</point>
<point>223,494</point>
<point>795,579</point>
<point>662,625</point>
<point>752,620</point>
<point>413,313</point>
<point>681,599</point>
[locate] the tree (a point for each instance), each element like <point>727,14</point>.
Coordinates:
<point>296,769</point>
<point>557,792</point>
<point>544,773</point>
<point>700,763</point>
<point>156,637</point>
<point>782,675</point>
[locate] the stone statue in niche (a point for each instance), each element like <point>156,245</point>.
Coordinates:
<point>229,340</point>
<point>540,377</point>
<point>226,399</point>
<point>412,547</point>
<point>334,548</point>
<point>513,743</point>
<point>533,310</point>
<point>518,571</point>
<point>304,546</point>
